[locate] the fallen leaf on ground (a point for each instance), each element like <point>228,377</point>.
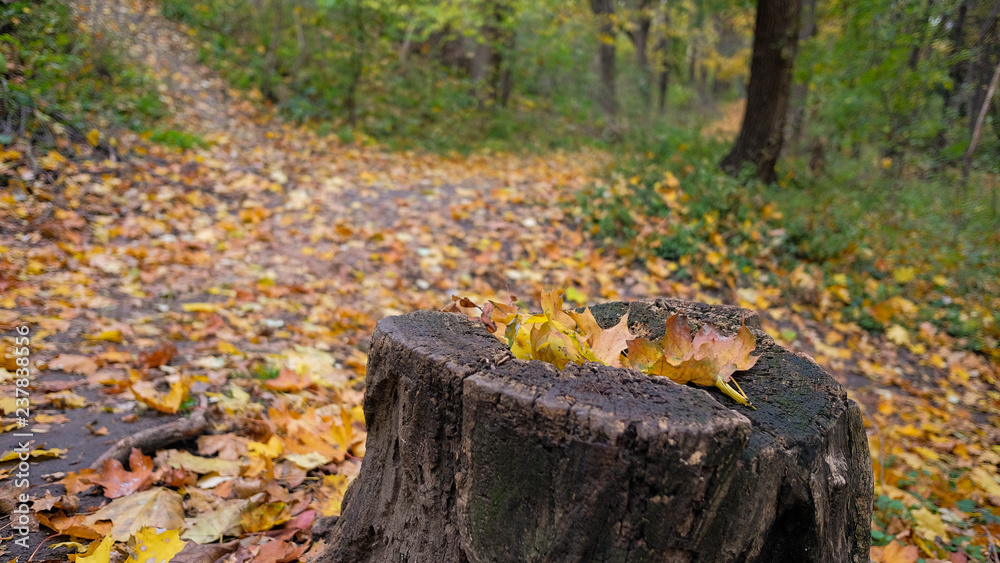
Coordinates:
<point>156,507</point>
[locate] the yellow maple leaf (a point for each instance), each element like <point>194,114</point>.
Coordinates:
<point>271,449</point>
<point>985,481</point>
<point>264,517</point>
<point>904,274</point>
<point>330,495</point>
<point>36,453</point>
<point>929,525</point>
<point>94,137</point>
<point>898,335</point>
<point>98,552</point>
<point>147,545</point>
<point>169,402</point>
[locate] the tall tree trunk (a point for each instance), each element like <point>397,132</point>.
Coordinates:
<point>800,91</point>
<point>357,66</point>
<point>501,80</point>
<point>606,97</point>
<point>491,72</point>
<point>639,34</point>
<point>272,80</point>
<point>774,45</point>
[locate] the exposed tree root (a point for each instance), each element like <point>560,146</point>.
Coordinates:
<point>153,439</point>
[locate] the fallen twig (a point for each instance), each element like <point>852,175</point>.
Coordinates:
<point>152,439</point>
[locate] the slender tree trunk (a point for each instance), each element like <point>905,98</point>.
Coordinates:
<point>958,70</point>
<point>952,97</point>
<point>357,61</point>
<point>639,34</point>
<point>774,46</point>
<point>607,98</point>
<point>272,80</point>
<point>662,63</point>
<point>978,129</point>
<point>987,43</point>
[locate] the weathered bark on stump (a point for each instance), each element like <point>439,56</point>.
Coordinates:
<point>474,456</point>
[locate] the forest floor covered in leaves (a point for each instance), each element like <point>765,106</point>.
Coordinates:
<point>249,270</point>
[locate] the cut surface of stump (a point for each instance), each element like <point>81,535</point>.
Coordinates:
<point>474,456</point>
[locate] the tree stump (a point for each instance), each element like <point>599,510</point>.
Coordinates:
<point>473,456</point>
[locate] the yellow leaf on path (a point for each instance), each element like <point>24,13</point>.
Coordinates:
<point>148,546</point>
<point>898,335</point>
<point>8,405</point>
<point>65,400</point>
<point>929,525</point>
<point>169,402</point>
<point>895,553</point>
<point>179,459</point>
<point>985,481</point>
<point>227,348</point>
<point>52,160</point>
<point>330,495</point>
<point>200,307</point>
<point>101,552</point>
<point>271,449</point>
<point>264,517</point>
<point>114,335</point>
<point>34,454</point>
<point>308,461</point>
<point>94,137</point>
<point>209,527</point>
<point>904,274</point>
<point>156,507</point>
<point>77,546</point>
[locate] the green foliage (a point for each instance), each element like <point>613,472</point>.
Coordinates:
<point>852,229</point>
<point>266,372</point>
<point>53,68</point>
<point>402,72</point>
<point>178,139</point>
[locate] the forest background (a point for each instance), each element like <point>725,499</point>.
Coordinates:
<point>848,186</point>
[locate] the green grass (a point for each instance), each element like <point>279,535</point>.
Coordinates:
<point>177,139</point>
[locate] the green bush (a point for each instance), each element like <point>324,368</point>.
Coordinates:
<point>52,69</point>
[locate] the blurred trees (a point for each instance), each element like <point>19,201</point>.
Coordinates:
<point>895,83</point>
